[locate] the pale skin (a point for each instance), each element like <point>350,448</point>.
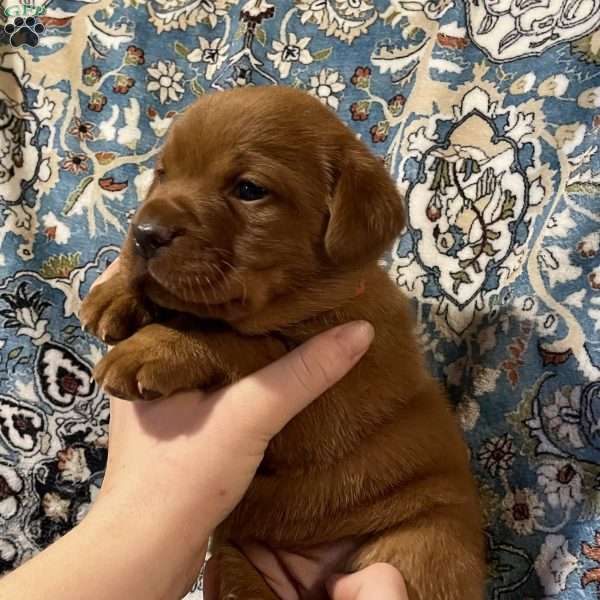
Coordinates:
<point>176,468</point>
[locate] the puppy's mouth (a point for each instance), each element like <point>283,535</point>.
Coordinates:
<point>215,288</point>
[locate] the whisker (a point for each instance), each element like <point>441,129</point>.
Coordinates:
<point>221,274</point>
<point>210,284</point>
<point>196,278</point>
<point>207,285</point>
<point>236,274</point>
<point>185,281</point>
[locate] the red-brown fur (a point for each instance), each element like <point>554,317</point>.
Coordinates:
<point>380,456</point>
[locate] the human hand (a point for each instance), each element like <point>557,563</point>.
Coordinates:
<point>380,580</point>
<point>187,460</point>
<point>290,575</point>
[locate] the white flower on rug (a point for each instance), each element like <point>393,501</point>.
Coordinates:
<point>290,50</point>
<point>523,84</point>
<point>211,53</point>
<point>521,509</point>
<point>568,137</point>
<point>56,507</point>
<point>589,245</point>
<point>563,415</point>
<point>325,86</point>
<point>561,483</point>
<point>72,465</point>
<point>594,278</point>
<point>554,564</point>
<point>497,454</point>
<point>556,85</point>
<point>11,485</point>
<point>164,81</point>
<point>589,98</point>
<point>56,230</point>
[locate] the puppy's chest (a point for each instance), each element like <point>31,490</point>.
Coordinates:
<point>315,466</point>
<point>315,437</point>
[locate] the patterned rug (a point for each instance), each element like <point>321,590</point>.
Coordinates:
<point>488,115</point>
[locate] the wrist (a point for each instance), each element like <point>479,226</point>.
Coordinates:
<point>151,531</point>
<point>198,505</point>
<point>162,511</point>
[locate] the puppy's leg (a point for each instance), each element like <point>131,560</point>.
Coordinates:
<point>437,557</point>
<point>161,359</point>
<point>113,311</point>
<point>238,579</point>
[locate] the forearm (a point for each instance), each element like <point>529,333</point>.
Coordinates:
<point>117,552</point>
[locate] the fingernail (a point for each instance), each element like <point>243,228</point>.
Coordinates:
<point>356,337</point>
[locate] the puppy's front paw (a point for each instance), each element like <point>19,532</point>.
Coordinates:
<point>112,312</point>
<point>153,363</point>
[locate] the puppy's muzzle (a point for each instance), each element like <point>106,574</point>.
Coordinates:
<point>150,237</point>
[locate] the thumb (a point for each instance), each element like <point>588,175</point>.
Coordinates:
<point>271,397</point>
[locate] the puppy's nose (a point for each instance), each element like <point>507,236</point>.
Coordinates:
<point>149,237</point>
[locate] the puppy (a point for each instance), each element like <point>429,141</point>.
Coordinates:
<point>263,227</point>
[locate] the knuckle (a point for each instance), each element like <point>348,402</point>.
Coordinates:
<point>301,372</point>
<point>313,370</point>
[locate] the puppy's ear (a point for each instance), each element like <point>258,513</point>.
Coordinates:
<point>366,208</point>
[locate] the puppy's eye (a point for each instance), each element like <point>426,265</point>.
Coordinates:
<point>248,191</point>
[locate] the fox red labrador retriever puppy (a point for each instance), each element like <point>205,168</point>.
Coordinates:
<point>262,227</point>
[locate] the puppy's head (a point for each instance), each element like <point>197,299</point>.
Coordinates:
<point>259,194</point>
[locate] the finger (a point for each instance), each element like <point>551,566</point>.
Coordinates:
<point>109,272</point>
<point>271,567</point>
<point>271,397</point>
<point>380,580</point>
